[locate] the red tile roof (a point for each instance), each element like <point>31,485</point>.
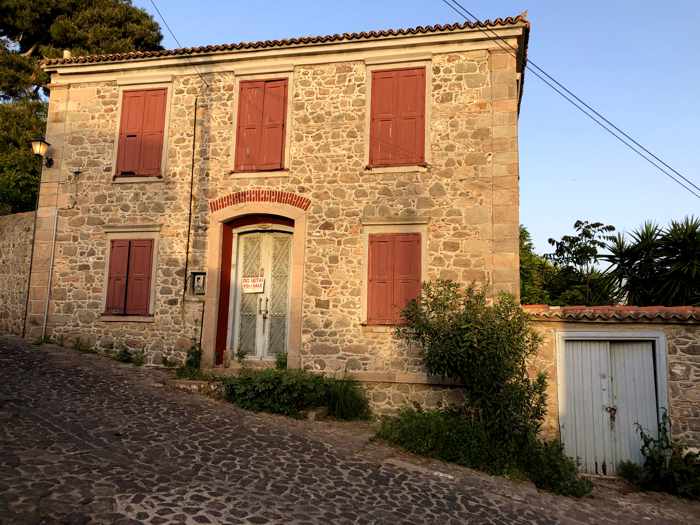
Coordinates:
<point>265,44</point>
<point>685,314</point>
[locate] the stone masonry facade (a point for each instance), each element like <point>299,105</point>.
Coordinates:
<point>466,197</point>
<point>16,233</point>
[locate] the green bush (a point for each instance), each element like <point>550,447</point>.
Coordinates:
<point>488,349</point>
<point>346,399</point>
<point>123,355</point>
<point>287,392</point>
<point>281,361</point>
<point>291,392</point>
<point>449,436</point>
<point>550,469</point>
<point>485,347</point>
<point>439,434</point>
<point>667,467</point>
<point>191,368</point>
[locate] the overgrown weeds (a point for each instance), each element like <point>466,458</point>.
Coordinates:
<point>668,466</point>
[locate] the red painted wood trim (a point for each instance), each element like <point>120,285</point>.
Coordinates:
<point>224,293</point>
<point>260,195</point>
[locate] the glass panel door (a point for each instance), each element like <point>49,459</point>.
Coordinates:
<point>262,294</point>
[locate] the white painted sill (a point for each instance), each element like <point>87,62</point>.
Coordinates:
<point>258,174</point>
<point>127,319</point>
<point>136,180</point>
<point>378,328</point>
<point>397,169</point>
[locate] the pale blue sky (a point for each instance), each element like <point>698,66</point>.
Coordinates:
<point>637,62</point>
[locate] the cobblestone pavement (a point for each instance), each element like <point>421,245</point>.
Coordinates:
<point>84,439</point>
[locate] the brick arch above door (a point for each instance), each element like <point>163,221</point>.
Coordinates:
<point>260,195</point>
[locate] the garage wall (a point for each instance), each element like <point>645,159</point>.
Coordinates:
<point>15,253</point>
<point>683,374</point>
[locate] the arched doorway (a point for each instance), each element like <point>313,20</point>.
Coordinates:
<point>232,214</point>
<point>254,294</point>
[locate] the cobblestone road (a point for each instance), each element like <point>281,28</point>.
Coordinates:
<point>86,440</point>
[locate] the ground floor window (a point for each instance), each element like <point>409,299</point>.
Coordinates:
<point>129,277</point>
<point>394,275</point>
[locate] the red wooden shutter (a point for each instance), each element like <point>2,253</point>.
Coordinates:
<point>410,116</point>
<point>116,279</point>
<point>383,117</point>
<point>250,123</point>
<point>141,132</point>
<point>380,288</point>
<point>274,116</point>
<point>130,133</point>
<point>138,290</point>
<point>397,122</point>
<point>152,132</point>
<point>407,271</point>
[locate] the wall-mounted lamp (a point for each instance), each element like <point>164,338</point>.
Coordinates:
<point>41,148</point>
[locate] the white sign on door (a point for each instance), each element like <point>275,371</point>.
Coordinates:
<point>252,284</point>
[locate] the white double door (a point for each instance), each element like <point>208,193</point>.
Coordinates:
<point>606,389</point>
<point>261,309</point>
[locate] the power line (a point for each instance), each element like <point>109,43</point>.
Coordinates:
<point>579,104</point>
<point>165,23</point>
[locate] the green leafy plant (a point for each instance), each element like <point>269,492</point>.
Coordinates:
<point>123,354</point>
<point>240,355</point>
<point>191,368</point>
<point>667,467</point>
<point>291,392</point>
<point>138,357</point>
<point>488,349</point>
<point>287,392</point>
<point>345,399</point>
<point>449,436</point>
<point>281,361</point>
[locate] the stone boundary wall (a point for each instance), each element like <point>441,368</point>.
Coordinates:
<point>16,233</point>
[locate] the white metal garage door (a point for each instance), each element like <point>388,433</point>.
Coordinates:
<point>606,387</point>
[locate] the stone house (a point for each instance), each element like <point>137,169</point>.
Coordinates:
<point>278,196</point>
<point>291,196</point>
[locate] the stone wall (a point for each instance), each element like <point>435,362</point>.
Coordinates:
<point>468,196</point>
<point>15,252</point>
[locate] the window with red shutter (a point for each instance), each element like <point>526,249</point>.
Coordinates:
<point>397,123</point>
<point>140,147</point>
<point>394,275</point>
<point>129,277</point>
<point>262,113</point>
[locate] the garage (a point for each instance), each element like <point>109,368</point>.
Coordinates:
<point>608,386</point>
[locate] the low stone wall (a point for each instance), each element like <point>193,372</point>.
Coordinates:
<point>15,253</point>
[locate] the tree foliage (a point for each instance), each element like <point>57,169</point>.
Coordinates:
<point>32,31</point>
<point>658,266</point>
<point>652,265</point>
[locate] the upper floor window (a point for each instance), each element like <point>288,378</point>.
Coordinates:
<point>394,275</point>
<point>141,130</point>
<point>397,126</point>
<point>262,112</point>
<point>129,277</point>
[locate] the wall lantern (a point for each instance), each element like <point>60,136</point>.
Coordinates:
<point>41,148</point>
<point>198,282</point>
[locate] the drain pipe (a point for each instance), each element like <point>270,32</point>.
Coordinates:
<point>189,216</point>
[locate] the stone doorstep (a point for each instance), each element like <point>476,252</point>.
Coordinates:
<point>213,389</point>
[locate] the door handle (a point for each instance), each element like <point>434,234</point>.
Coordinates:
<point>612,412</point>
